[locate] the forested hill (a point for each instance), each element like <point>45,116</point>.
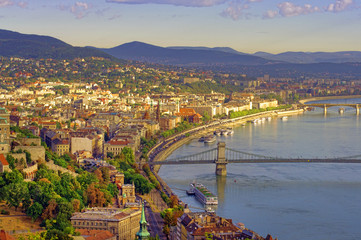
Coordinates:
<point>14,44</point>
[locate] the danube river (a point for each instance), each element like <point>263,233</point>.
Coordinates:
<point>316,201</point>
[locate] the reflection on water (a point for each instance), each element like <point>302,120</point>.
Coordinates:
<point>290,201</point>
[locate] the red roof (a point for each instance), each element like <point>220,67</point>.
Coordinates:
<point>3,160</point>
<point>5,236</point>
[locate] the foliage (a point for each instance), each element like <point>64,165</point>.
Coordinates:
<point>253,111</point>
<point>35,210</point>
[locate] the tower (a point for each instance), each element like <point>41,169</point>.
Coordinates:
<point>143,232</point>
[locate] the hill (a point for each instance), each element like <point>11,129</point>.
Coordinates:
<point>14,44</point>
<point>183,56</point>
<point>313,57</point>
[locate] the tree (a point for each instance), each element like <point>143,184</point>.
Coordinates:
<point>51,210</point>
<point>16,194</point>
<point>206,116</point>
<point>35,210</point>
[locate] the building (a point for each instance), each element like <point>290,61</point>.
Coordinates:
<point>189,114</point>
<point>143,233</point>
<point>60,146</point>
<point>4,165</point>
<point>260,103</point>
<point>167,122</point>
<point>126,195</point>
<point>123,223</point>
<point>116,145</point>
<point>194,226</point>
<point>95,235</point>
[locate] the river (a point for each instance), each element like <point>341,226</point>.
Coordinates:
<point>316,201</point>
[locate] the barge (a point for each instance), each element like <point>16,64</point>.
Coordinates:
<point>202,194</point>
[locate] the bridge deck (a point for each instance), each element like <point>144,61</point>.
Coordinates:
<point>296,160</point>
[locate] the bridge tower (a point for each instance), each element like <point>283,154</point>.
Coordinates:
<point>357,109</point>
<point>221,161</point>
<point>325,109</point>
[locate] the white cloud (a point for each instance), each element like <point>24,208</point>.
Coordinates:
<point>185,3</point>
<point>339,6</point>
<point>270,14</point>
<point>235,9</point>
<point>288,9</point>
<point>79,9</point>
<point>5,3</point>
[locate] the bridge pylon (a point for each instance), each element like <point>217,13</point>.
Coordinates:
<point>221,161</point>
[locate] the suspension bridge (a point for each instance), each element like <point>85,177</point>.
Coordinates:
<point>222,155</point>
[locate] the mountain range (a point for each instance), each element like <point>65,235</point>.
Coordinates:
<point>13,44</point>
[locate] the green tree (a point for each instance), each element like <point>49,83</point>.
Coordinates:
<point>206,116</point>
<point>35,210</point>
<point>16,194</point>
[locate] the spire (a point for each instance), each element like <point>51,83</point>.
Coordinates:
<point>143,232</point>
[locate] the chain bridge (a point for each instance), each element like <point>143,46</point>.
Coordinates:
<point>222,155</point>
<point>325,106</point>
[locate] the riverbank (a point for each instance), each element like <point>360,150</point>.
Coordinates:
<point>169,149</point>
<point>303,101</point>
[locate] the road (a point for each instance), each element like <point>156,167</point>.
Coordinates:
<point>155,222</point>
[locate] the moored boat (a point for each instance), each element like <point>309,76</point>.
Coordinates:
<point>217,132</point>
<point>203,194</point>
<point>210,139</point>
<point>230,131</point>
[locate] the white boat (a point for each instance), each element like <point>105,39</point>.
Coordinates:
<point>230,131</point>
<point>203,194</point>
<point>224,132</point>
<point>341,110</point>
<point>284,118</point>
<point>269,118</point>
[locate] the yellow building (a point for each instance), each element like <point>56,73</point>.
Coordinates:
<point>123,223</point>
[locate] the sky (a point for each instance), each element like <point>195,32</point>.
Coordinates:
<point>247,26</point>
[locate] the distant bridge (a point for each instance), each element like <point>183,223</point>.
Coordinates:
<point>221,156</point>
<point>325,106</point>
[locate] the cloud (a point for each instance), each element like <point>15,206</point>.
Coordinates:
<point>78,9</point>
<point>22,4</point>
<point>288,9</point>
<point>5,3</point>
<point>185,3</point>
<point>270,14</point>
<point>339,6</point>
<point>236,9</point>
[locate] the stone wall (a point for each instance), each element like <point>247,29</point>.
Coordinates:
<point>37,153</point>
<point>30,141</point>
<point>56,168</point>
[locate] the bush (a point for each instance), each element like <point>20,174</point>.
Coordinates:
<point>4,212</point>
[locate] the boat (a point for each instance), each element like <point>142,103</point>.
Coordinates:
<point>210,139</point>
<point>285,118</point>
<point>217,132</point>
<point>203,195</point>
<point>224,132</point>
<point>341,110</point>
<point>269,118</point>
<point>230,131</point>
<point>201,139</point>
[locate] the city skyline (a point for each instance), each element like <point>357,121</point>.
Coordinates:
<point>244,25</point>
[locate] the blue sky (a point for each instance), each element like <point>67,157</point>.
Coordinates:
<point>245,25</point>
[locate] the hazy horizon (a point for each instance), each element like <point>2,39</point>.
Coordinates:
<point>247,26</point>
